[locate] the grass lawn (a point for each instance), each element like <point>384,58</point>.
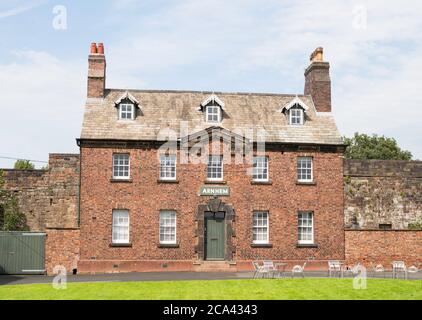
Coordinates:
<point>221,289</point>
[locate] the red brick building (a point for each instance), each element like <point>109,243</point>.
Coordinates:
<point>185,180</point>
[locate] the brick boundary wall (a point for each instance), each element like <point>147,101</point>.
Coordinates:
<point>62,248</point>
<point>47,197</point>
<point>372,247</point>
<point>368,247</point>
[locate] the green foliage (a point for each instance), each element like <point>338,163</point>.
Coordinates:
<point>417,225</point>
<point>362,146</point>
<point>13,218</point>
<point>24,165</point>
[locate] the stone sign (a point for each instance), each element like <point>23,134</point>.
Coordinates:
<point>214,191</point>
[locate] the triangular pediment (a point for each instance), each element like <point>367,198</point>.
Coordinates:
<point>214,132</point>
<point>295,102</point>
<point>125,97</point>
<point>212,98</point>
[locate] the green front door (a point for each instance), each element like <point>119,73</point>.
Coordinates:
<point>214,239</point>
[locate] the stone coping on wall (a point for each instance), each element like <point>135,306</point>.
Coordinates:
<point>383,168</point>
<point>391,230</point>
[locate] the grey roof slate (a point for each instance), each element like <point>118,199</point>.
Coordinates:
<point>163,110</point>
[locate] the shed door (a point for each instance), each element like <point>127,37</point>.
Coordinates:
<point>214,239</point>
<point>22,253</point>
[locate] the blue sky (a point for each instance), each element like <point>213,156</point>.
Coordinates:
<point>375,51</point>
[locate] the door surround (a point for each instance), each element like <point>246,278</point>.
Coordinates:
<point>215,207</point>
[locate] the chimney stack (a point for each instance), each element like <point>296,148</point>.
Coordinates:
<point>96,71</point>
<point>318,82</point>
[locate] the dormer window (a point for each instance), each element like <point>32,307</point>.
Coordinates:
<point>213,113</point>
<point>296,115</point>
<point>126,111</point>
<point>295,111</point>
<point>126,105</point>
<point>213,108</point>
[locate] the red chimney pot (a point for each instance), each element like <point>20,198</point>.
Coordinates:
<point>93,48</point>
<point>100,48</point>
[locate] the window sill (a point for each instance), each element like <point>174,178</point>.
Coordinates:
<point>168,245</point>
<point>113,180</point>
<point>261,245</point>
<point>215,182</point>
<point>167,181</point>
<point>303,183</point>
<point>253,182</point>
<point>306,245</point>
<point>121,245</point>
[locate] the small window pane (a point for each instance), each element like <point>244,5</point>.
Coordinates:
<point>296,116</point>
<point>260,168</point>
<point>120,232</point>
<point>167,227</point>
<point>305,228</point>
<point>121,166</point>
<point>260,227</point>
<point>213,113</point>
<point>168,167</point>
<point>215,168</point>
<point>304,169</point>
<point>126,111</point>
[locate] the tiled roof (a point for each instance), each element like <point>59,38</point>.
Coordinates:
<point>163,110</point>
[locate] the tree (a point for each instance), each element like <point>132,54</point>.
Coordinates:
<point>13,218</point>
<point>24,165</point>
<point>362,146</point>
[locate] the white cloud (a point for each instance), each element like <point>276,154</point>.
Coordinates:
<point>375,70</point>
<point>15,7</point>
<point>41,105</point>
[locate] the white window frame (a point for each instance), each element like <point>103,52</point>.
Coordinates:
<point>299,116</point>
<point>164,159</point>
<point>299,170</point>
<point>221,165</point>
<point>299,226</point>
<point>119,224</point>
<point>119,165</point>
<point>173,241</point>
<point>132,111</point>
<point>256,168</point>
<point>267,226</point>
<point>207,113</point>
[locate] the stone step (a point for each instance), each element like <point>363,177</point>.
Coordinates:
<point>215,266</point>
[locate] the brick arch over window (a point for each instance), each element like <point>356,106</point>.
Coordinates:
<point>214,206</point>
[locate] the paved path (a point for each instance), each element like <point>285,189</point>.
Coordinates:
<point>153,276</point>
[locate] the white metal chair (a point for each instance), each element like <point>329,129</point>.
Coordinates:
<point>351,270</point>
<point>299,270</point>
<point>270,267</point>
<point>334,267</point>
<point>399,267</point>
<point>258,269</point>
<point>413,269</point>
<point>379,268</point>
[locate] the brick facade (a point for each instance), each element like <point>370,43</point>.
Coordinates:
<point>144,197</point>
<point>62,249</point>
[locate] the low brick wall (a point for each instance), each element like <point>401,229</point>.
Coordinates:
<point>383,247</point>
<point>62,248</point>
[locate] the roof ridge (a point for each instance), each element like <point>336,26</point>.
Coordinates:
<point>208,92</point>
